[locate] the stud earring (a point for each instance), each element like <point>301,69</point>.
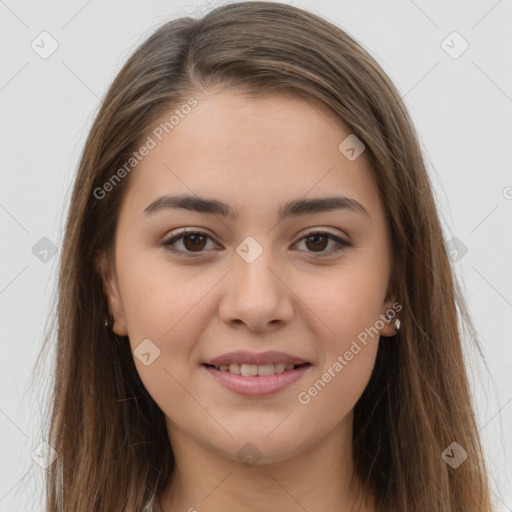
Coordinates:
<point>109,322</point>
<point>396,324</point>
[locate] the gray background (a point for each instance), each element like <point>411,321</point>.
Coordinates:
<point>461,106</point>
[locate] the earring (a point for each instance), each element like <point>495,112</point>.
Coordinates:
<point>109,322</point>
<point>396,323</point>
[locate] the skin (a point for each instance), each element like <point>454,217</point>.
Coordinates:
<point>255,155</point>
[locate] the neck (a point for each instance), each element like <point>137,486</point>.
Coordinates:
<point>317,479</point>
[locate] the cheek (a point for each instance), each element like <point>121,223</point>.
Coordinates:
<point>162,299</point>
<point>346,308</point>
<point>332,395</point>
<point>347,344</point>
<point>167,309</point>
<point>345,305</point>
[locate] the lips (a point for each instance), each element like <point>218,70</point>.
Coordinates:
<point>257,374</point>
<point>259,385</point>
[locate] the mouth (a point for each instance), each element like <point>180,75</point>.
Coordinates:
<point>250,380</point>
<point>253,370</point>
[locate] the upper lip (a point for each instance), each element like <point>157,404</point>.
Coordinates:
<point>261,358</point>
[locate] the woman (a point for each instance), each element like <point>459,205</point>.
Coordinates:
<point>256,308</point>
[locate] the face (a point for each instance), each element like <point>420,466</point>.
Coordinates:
<point>310,284</point>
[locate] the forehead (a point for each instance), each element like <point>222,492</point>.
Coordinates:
<point>251,152</point>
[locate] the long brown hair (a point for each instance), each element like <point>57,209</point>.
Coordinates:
<point>110,436</point>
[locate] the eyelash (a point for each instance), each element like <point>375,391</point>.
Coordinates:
<point>342,244</point>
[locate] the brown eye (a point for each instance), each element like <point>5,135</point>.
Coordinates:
<point>318,242</point>
<point>195,242</point>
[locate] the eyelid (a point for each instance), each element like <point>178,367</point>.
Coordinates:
<point>312,231</point>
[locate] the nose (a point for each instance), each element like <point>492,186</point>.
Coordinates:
<point>256,293</point>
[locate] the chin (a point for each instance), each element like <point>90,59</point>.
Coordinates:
<point>256,446</point>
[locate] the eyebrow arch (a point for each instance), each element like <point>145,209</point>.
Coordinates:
<point>291,208</point>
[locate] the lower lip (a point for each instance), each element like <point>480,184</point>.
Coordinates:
<point>255,385</point>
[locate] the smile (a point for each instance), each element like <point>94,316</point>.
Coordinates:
<point>251,370</point>
<point>257,380</point>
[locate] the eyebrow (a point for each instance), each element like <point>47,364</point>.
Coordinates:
<point>289,209</point>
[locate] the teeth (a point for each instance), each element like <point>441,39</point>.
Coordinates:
<point>250,370</point>
<point>279,367</point>
<point>234,368</point>
<point>266,369</point>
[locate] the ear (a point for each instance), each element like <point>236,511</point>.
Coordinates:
<point>106,271</point>
<point>390,313</point>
